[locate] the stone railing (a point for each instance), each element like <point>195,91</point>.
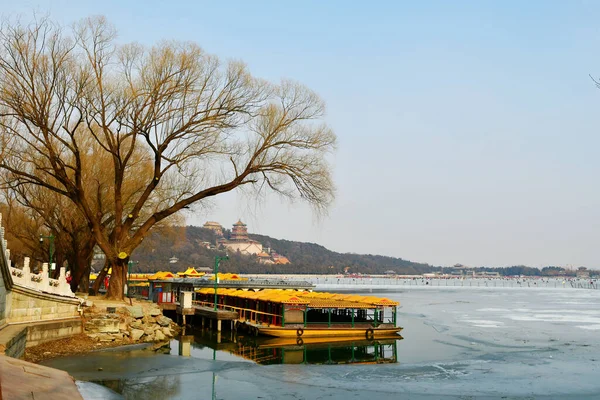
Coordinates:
<point>4,252</point>
<point>42,281</point>
<point>25,278</point>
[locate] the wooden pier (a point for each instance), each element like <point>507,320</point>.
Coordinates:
<point>206,314</point>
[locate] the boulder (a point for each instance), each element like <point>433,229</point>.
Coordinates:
<point>163,321</point>
<point>136,324</point>
<point>149,330</point>
<point>155,312</point>
<point>136,334</point>
<point>136,311</point>
<point>167,332</point>
<point>159,336</point>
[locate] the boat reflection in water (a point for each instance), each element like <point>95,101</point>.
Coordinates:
<point>268,351</point>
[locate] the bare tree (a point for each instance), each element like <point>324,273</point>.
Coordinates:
<point>205,128</point>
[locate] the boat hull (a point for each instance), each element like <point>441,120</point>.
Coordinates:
<point>369,333</point>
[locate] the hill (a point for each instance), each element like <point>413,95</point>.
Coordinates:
<point>190,246</point>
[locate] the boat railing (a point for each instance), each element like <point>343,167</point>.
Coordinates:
<point>244,313</point>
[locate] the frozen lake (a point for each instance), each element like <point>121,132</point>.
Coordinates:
<point>459,343</point>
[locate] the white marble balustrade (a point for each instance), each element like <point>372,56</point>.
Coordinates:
<point>41,281</point>
<point>25,278</point>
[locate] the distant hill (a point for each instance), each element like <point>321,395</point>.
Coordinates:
<point>188,245</point>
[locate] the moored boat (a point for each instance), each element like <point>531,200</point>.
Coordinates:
<point>303,314</point>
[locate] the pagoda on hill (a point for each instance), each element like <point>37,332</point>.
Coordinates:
<point>239,232</point>
<point>240,241</point>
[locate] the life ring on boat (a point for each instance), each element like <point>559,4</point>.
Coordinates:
<point>299,332</point>
<point>370,334</point>
<point>299,341</point>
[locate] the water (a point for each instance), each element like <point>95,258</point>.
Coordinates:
<point>459,343</point>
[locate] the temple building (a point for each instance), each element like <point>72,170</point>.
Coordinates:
<point>215,227</point>
<point>239,240</point>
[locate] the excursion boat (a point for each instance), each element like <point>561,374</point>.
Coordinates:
<point>289,313</point>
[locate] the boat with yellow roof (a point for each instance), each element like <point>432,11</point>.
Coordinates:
<point>300,314</point>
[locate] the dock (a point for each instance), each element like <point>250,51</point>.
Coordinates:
<point>206,314</point>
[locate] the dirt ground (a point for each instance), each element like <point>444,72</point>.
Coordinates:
<point>78,344</point>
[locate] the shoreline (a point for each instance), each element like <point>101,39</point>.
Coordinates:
<point>140,324</point>
<point>81,344</point>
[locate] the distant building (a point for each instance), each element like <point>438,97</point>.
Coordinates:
<point>279,259</point>
<point>486,274</point>
<point>459,269</point>
<point>583,272</point>
<point>264,258</point>
<point>240,241</point>
<point>215,227</point>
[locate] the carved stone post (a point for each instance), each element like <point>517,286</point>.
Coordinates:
<point>44,283</point>
<point>26,272</point>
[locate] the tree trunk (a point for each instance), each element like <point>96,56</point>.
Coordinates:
<point>100,278</point>
<point>84,283</point>
<point>80,264</point>
<point>116,285</point>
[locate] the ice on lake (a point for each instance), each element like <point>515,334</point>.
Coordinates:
<point>488,343</point>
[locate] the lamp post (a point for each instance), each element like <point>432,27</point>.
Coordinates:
<point>50,248</point>
<point>217,260</point>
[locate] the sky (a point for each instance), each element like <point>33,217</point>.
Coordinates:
<point>468,131</point>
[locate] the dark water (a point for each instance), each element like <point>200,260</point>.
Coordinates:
<point>459,343</point>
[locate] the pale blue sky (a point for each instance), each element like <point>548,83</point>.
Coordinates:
<point>468,131</point>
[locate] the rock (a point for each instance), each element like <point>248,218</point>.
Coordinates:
<point>155,312</point>
<point>167,332</point>
<point>163,321</point>
<point>136,312</point>
<point>149,338</point>
<point>148,319</point>
<point>136,334</point>
<point>102,337</point>
<point>158,335</point>
<point>136,324</point>
<point>148,330</point>
<point>102,325</point>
